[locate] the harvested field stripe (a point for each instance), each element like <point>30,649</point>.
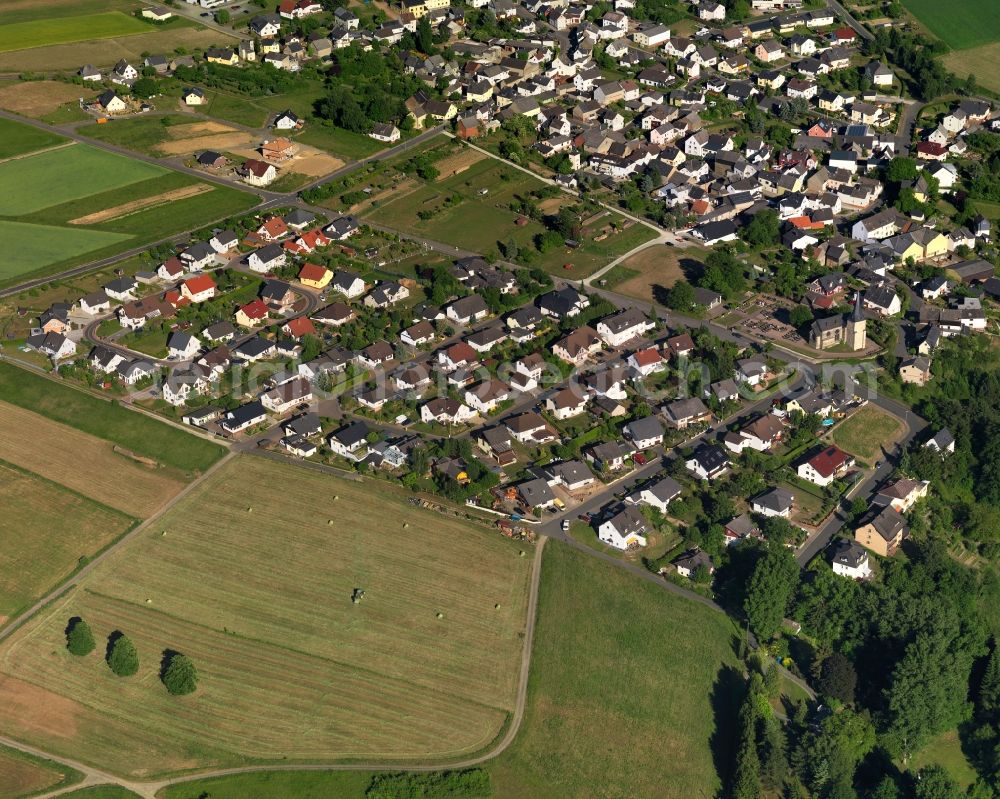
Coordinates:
<point>127,209</point>
<point>19,156</point>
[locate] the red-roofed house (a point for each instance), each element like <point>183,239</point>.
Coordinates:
<point>646,362</point>
<point>298,327</point>
<point>312,239</point>
<point>825,467</point>
<point>805,223</point>
<point>273,229</point>
<point>929,151</point>
<point>175,298</point>
<point>844,36</point>
<point>171,269</point>
<point>315,276</point>
<point>199,288</point>
<point>252,313</point>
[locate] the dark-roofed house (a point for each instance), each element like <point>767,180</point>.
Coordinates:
<point>708,462</point>
<point>659,494</point>
<point>776,502</point>
<point>850,559</point>
<point>881,530</point>
<point>625,530</point>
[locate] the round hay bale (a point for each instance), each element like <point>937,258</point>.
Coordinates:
<point>496,606</point>
<point>149,601</point>
<point>406,525</point>
<point>440,615</point>
<point>249,509</point>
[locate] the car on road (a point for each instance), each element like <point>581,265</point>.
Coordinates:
<point>585,517</point>
<point>565,524</point>
<point>204,14</point>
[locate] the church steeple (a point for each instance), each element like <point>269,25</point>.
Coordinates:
<point>856,328</point>
<point>857,316</point>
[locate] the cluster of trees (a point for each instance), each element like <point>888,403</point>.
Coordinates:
<point>915,637</point>
<point>964,397</point>
<point>177,671</point>
<point>724,273</point>
<point>982,178</point>
<point>764,230</point>
<point>918,56</point>
<point>256,82</point>
<point>366,88</point>
<point>464,784</point>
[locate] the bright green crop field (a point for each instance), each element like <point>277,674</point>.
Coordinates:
<point>57,176</point>
<point>960,24</point>
<point>17,138</point>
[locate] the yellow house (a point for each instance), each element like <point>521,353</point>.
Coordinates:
<point>480,96</point>
<point>315,276</point>
<point>937,246</point>
<point>227,57</point>
<point>434,5</point>
<point>416,7</point>
<point>270,46</point>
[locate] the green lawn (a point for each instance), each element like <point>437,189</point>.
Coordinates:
<point>866,432</point>
<point>480,222</point>
<point>17,138</point>
<point>62,30</point>
<point>632,690</point>
<point>946,751</point>
<point>958,24</point>
<point>57,176</point>
<point>29,247</point>
<point>339,142</point>
<point>134,431</point>
<point>235,108</point>
<point>141,134</point>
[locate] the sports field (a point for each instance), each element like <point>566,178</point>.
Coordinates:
<point>251,574</point>
<point>43,32</point>
<point>17,138</point>
<point>69,204</point>
<point>960,24</point>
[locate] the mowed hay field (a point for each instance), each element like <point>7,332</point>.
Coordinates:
<point>83,463</point>
<point>633,691</point>
<point>38,98</point>
<point>983,62</point>
<point>46,530</point>
<point>21,775</point>
<point>251,575</point>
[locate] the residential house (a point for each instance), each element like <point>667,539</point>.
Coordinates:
<point>881,530</point>
<point>826,466</point>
